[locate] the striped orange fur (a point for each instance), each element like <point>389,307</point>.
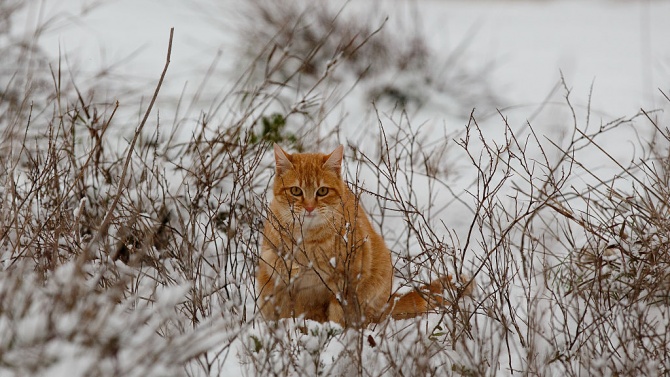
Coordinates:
<point>321,258</point>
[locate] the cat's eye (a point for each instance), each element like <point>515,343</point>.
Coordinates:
<point>322,191</point>
<point>296,191</point>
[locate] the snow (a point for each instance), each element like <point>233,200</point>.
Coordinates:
<point>620,47</point>
<point>613,55</point>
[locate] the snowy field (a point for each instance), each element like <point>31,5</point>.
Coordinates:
<point>619,47</point>
<point>522,144</point>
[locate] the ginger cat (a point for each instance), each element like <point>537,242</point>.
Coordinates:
<point>321,258</point>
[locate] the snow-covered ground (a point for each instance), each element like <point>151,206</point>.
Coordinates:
<point>614,56</point>
<point>619,46</point>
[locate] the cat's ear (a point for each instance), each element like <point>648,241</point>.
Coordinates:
<point>334,160</point>
<point>282,159</point>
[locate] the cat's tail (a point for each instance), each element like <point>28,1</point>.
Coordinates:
<point>427,298</point>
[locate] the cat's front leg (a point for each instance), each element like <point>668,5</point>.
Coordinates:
<point>335,312</point>
<point>347,310</point>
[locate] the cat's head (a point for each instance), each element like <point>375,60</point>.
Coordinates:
<point>309,186</point>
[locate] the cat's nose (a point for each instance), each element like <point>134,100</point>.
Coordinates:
<point>309,209</point>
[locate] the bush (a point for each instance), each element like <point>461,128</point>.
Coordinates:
<point>140,260</point>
